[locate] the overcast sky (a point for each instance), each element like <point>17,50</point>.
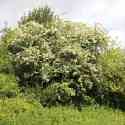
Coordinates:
<point>110,13</point>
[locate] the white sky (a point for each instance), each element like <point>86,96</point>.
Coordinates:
<point>110,13</point>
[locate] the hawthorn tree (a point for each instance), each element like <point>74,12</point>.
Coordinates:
<point>65,62</point>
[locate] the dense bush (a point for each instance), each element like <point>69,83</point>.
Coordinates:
<point>113,65</point>
<point>46,56</point>
<point>8,35</point>
<point>70,62</point>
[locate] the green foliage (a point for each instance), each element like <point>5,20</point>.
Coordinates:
<point>57,94</point>
<point>40,15</point>
<point>58,115</point>
<point>113,75</point>
<point>8,86</point>
<point>5,65</point>
<point>46,61</point>
<point>8,35</point>
<point>64,58</point>
<point>12,107</point>
<point>44,56</point>
<point>113,65</point>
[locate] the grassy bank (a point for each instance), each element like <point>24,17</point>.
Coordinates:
<point>21,112</point>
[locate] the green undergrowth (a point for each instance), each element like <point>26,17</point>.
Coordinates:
<point>19,111</point>
<point>8,86</point>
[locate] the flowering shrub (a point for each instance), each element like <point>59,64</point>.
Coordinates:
<point>64,58</point>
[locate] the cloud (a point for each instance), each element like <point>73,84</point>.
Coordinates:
<point>119,37</point>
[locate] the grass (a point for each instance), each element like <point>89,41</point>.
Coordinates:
<point>20,112</point>
<point>66,116</point>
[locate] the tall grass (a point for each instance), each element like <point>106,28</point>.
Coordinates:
<point>21,112</point>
